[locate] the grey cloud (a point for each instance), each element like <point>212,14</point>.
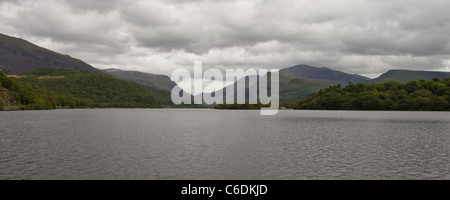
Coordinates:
<point>99,6</point>
<point>356,36</point>
<point>88,31</point>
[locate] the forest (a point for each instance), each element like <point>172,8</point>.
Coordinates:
<point>47,88</point>
<point>422,95</point>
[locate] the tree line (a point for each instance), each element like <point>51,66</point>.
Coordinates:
<point>422,95</point>
<point>47,88</point>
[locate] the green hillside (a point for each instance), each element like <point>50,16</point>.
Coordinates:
<point>161,82</point>
<point>295,89</point>
<point>430,95</point>
<point>321,75</point>
<point>290,89</point>
<point>93,89</point>
<point>16,95</point>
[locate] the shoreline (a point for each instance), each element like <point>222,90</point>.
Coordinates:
<point>15,109</point>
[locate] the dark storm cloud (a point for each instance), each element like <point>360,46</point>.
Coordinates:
<point>357,36</point>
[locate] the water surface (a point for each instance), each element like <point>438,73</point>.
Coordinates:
<point>223,144</point>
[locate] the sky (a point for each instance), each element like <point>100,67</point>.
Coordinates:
<point>366,37</point>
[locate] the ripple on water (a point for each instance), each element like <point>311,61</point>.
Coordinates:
<point>221,144</point>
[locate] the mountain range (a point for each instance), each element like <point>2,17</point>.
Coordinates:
<point>18,57</point>
<point>322,75</point>
<point>301,81</point>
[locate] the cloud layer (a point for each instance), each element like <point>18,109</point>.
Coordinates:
<point>367,37</point>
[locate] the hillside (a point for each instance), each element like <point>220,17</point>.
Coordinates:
<point>4,69</point>
<point>18,55</point>
<point>77,83</point>
<point>16,95</point>
<point>404,76</point>
<point>290,89</point>
<point>322,75</point>
<point>427,95</point>
<point>301,81</point>
<point>92,89</point>
<point>161,82</point>
<point>295,89</point>
<point>249,82</point>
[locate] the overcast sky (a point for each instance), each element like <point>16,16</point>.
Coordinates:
<point>367,37</point>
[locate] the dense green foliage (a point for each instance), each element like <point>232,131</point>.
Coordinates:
<point>78,88</point>
<point>17,95</point>
<point>161,96</point>
<point>432,95</point>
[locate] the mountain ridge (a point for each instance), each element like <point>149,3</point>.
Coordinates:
<point>157,81</point>
<point>403,76</point>
<point>18,55</point>
<point>322,74</point>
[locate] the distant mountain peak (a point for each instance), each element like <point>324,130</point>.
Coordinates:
<point>322,74</point>
<point>18,55</point>
<point>158,81</point>
<point>403,75</point>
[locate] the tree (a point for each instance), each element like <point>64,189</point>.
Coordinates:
<point>414,95</point>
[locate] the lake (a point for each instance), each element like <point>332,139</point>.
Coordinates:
<point>223,144</point>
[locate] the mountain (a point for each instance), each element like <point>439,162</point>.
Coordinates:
<point>161,82</point>
<point>322,75</point>
<point>290,89</point>
<point>18,55</point>
<point>301,81</point>
<point>71,82</point>
<point>404,76</point>
<point>294,89</point>
<point>250,81</point>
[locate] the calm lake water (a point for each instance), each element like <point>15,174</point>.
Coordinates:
<point>223,144</point>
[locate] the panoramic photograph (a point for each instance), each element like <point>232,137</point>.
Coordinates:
<point>224,90</point>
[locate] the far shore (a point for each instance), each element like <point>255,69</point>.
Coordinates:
<point>11,109</point>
